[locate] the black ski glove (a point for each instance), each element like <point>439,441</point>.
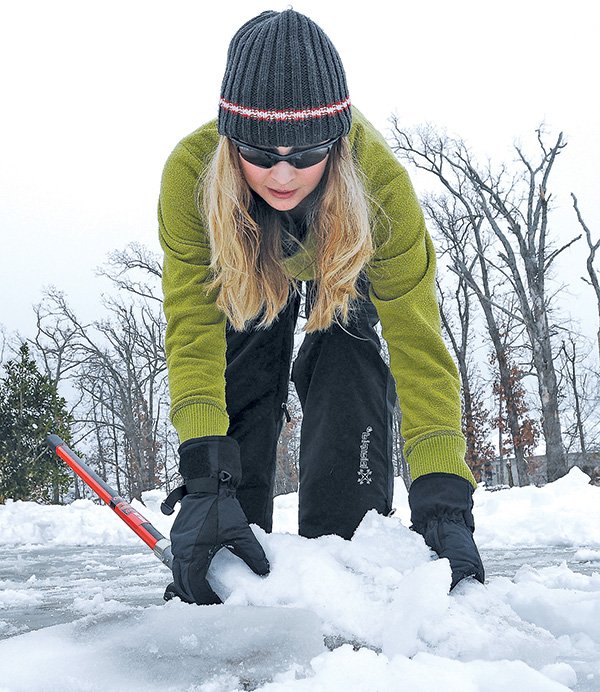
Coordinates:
<point>441,505</point>
<point>210,518</point>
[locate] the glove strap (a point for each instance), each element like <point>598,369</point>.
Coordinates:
<point>194,485</point>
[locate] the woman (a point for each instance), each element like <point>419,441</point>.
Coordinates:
<point>291,191</point>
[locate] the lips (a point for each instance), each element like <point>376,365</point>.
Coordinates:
<point>281,194</point>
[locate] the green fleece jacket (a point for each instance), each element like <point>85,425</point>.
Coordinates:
<point>402,278</point>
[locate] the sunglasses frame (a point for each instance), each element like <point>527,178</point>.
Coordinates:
<point>293,158</point>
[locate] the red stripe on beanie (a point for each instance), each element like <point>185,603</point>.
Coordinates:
<point>285,115</point>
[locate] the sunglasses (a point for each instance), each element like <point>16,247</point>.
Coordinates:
<point>299,159</point>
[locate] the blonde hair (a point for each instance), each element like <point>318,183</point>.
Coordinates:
<point>247,256</point>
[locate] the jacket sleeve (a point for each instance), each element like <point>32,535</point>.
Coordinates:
<point>195,336</point>
<point>403,290</point>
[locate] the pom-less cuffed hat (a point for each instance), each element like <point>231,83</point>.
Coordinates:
<point>284,84</point>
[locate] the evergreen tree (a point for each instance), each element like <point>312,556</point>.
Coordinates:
<point>30,408</point>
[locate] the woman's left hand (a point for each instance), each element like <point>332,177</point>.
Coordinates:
<point>441,511</point>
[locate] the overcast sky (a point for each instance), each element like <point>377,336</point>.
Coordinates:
<point>95,96</point>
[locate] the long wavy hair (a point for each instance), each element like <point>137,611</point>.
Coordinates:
<point>246,241</point>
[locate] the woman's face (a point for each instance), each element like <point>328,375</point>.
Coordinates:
<point>282,186</point>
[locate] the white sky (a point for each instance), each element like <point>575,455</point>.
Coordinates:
<point>95,96</point>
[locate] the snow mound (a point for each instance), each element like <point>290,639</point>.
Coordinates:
<point>563,513</point>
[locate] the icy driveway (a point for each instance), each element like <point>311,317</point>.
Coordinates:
<point>41,587</point>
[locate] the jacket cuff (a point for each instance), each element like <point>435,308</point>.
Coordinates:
<point>199,419</point>
<point>442,452</point>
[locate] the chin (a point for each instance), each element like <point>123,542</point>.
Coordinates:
<point>283,204</point>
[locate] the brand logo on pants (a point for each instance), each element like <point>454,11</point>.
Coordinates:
<point>364,472</point>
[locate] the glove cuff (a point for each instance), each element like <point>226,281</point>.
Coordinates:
<point>437,494</point>
<point>208,457</point>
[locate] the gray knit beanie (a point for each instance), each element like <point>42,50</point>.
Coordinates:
<point>284,84</point>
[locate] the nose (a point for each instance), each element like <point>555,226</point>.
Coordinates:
<point>283,173</point>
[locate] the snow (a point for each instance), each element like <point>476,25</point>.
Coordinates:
<point>564,513</point>
<point>81,608</point>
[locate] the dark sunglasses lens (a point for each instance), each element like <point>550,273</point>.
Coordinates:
<point>306,159</point>
<point>256,157</point>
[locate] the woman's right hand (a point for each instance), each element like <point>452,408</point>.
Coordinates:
<point>210,518</point>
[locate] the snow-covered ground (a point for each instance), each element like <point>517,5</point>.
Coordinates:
<point>81,607</point>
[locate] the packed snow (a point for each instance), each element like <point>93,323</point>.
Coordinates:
<point>81,604</point>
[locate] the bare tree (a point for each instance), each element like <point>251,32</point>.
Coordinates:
<point>466,245</point>
<point>458,334</point>
<point>3,340</point>
<point>514,401</point>
<point>56,338</point>
<point>593,248</point>
<point>475,417</point>
<point>135,270</point>
<point>401,467</point>
<point>570,356</point>
<point>581,396</point>
<point>288,446</point>
<point>118,367</point>
<point>514,207</point>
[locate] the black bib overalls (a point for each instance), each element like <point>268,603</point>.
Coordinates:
<point>347,395</point>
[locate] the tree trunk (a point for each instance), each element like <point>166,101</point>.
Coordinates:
<point>543,360</point>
